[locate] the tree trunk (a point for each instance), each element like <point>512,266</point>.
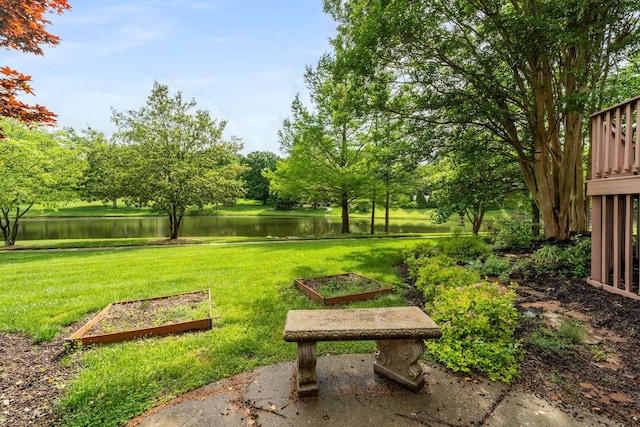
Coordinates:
<point>4,226</point>
<point>476,222</point>
<point>535,226</point>
<point>558,186</point>
<point>10,229</point>
<point>14,233</point>
<point>387,202</point>
<point>373,213</point>
<point>114,203</point>
<point>5,235</point>
<point>555,176</point>
<point>344,227</point>
<point>175,218</point>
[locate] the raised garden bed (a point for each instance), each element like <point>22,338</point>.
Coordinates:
<point>342,288</point>
<point>127,320</point>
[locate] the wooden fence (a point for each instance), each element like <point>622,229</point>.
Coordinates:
<point>614,188</point>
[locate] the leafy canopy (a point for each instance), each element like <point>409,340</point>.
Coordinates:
<point>35,167</point>
<point>178,158</point>
<point>527,72</point>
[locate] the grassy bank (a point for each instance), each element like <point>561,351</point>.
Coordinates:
<point>251,287</point>
<point>242,208</point>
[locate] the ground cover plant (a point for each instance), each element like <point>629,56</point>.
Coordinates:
<point>251,288</point>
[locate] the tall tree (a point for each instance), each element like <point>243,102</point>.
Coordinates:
<point>325,146</point>
<point>473,178</point>
<point>258,163</point>
<point>524,71</point>
<point>35,167</point>
<point>106,176</point>
<point>394,153</point>
<point>22,27</point>
<point>179,159</point>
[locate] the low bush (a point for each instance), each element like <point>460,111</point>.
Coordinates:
<point>477,319</point>
<point>492,266</point>
<point>440,272</point>
<point>569,335</point>
<point>465,249</point>
<point>514,232</point>
<point>564,261</point>
<point>416,256</point>
<point>478,323</point>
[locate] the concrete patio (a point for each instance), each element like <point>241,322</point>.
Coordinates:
<point>352,394</point>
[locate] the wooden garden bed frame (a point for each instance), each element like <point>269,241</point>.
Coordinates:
<point>193,325</point>
<point>311,292</point>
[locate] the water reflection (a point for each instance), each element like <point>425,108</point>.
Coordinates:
<point>103,228</point>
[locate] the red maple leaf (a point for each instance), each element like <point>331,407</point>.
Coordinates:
<point>23,27</point>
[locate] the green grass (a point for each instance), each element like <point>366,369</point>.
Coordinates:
<point>252,290</point>
<point>243,208</point>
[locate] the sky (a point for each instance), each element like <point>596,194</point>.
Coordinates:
<point>241,60</point>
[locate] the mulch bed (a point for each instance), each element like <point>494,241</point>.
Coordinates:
<point>32,378</point>
<point>610,384</point>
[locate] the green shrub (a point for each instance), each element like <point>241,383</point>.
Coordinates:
<point>478,323</point>
<point>416,257</point>
<point>514,232</point>
<point>572,260</point>
<point>477,319</point>
<point>440,272</point>
<point>546,258</point>
<point>465,249</point>
<point>577,257</point>
<point>492,266</point>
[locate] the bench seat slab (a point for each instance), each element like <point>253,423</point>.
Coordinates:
<point>359,324</point>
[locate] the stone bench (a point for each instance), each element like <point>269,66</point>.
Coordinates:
<point>398,331</point>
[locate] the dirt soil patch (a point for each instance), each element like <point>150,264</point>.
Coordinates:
<point>32,378</point>
<point>150,313</point>
<point>342,284</point>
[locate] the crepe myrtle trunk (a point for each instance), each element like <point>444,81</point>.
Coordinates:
<point>344,228</point>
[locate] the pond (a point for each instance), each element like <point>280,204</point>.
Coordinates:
<point>202,226</point>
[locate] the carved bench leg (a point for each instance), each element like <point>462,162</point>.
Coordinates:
<point>398,360</point>
<point>307,379</point>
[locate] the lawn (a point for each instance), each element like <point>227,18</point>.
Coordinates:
<point>242,208</point>
<point>252,290</point>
